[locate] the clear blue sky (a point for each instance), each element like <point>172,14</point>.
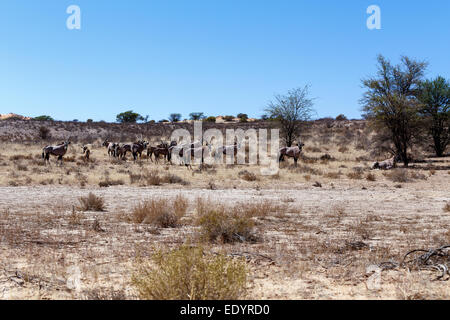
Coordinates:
<point>214,56</point>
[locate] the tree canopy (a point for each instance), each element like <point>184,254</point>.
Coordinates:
<point>291,110</point>
<point>390,102</point>
<point>129,117</point>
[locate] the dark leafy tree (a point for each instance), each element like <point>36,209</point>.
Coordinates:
<point>44,118</point>
<point>435,98</point>
<point>196,116</point>
<point>210,119</point>
<point>129,117</point>
<point>390,102</point>
<point>243,117</point>
<point>175,117</point>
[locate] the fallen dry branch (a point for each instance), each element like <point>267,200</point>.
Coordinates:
<point>422,259</point>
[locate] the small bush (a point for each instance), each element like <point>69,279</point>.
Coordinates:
<point>371,177</point>
<point>354,175</point>
<point>247,175</point>
<point>92,203</point>
<point>161,212</point>
<point>398,175</point>
<point>44,133</point>
<point>333,175</point>
<point>108,183</point>
<point>152,178</point>
<point>229,224</point>
<point>22,167</point>
<point>172,179</point>
<point>187,273</point>
<point>447,207</point>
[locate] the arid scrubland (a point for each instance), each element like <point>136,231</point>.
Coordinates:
<point>104,228</point>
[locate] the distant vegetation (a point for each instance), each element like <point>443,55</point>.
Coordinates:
<point>43,118</point>
<point>197,116</point>
<point>175,117</point>
<point>129,117</point>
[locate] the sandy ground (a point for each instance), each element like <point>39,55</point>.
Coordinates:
<point>304,254</point>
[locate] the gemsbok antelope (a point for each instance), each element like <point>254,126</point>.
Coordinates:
<point>86,153</point>
<point>387,164</point>
<point>111,147</point>
<point>292,152</point>
<point>57,151</point>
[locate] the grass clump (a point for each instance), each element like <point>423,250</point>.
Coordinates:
<point>187,273</point>
<point>398,175</point>
<point>229,224</point>
<point>161,212</point>
<point>92,203</point>
<point>447,207</point>
<point>247,175</point>
<point>153,178</point>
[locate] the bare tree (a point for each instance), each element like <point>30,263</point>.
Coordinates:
<point>291,111</point>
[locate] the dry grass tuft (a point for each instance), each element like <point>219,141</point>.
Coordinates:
<point>247,175</point>
<point>164,213</point>
<point>92,203</point>
<point>447,207</point>
<point>371,177</point>
<point>187,273</point>
<point>398,175</point>
<point>230,224</point>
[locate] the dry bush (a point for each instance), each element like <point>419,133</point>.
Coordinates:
<point>333,175</point>
<point>187,273</point>
<point>371,177</point>
<point>75,217</point>
<point>135,178</point>
<point>92,203</point>
<point>305,169</point>
<point>354,175</point>
<point>417,176</point>
<point>108,183</point>
<point>151,178</point>
<point>164,213</point>
<point>44,133</point>
<point>247,175</point>
<point>19,157</point>
<point>447,207</point>
<point>172,179</point>
<point>398,175</point>
<point>22,167</point>
<point>260,209</point>
<point>230,224</point>
<point>343,149</point>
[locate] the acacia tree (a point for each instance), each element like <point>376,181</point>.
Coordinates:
<point>175,117</point>
<point>435,98</point>
<point>129,117</point>
<point>196,116</point>
<point>390,102</point>
<point>291,110</point>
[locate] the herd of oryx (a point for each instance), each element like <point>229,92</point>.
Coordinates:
<point>184,152</point>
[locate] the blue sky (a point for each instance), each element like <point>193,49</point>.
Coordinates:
<point>212,56</point>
